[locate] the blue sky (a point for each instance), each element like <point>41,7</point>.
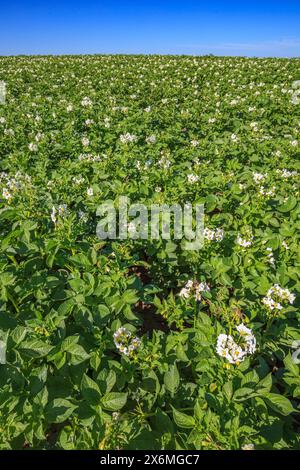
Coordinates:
<point>245,27</point>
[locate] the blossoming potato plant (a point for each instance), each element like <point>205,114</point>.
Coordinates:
<point>140,344</point>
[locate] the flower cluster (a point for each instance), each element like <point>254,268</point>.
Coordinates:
<point>89,157</point>
<point>276,295</point>
<point>128,138</point>
<point>192,178</point>
<point>85,141</point>
<point>61,211</point>
<point>244,242</point>
<point>194,288</point>
<point>164,162</point>
<point>10,185</point>
<point>287,173</point>
<point>125,342</point>
<point>267,192</point>
<point>214,235</point>
<point>151,139</point>
<point>270,256</point>
<point>236,351</point>
<point>259,177</point>
<point>86,102</point>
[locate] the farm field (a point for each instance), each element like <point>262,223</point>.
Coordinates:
<point>140,343</point>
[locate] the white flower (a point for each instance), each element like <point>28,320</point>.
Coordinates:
<point>83,216</point>
<point>248,447</point>
<point>107,122</point>
<point>85,141</point>
<point>216,235</point>
<point>276,294</point>
<point>164,163</point>
<point>125,343</point>
<point>270,255</point>
<point>38,137</point>
<point>194,143</point>
<point>294,143</point>
<point>89,122</point>
<point>286,173</point>
<point>236,352</point>
<point>267,192</point>
<point>62,210</point>
<point>89,157</point>
<point>78,181</point>
<point>194,288</point>
<point>192,178</point>
<point>128,138</point>
<point>259,177</point>
<point>86,101</point>
<point>53,215</point>
<point>32,147</point>
<point>219,234</point>
<point>6,194</point>
<point>243,330</point>
<point>209,234</point>
<point>200,288</point>
<point>151,139</point>
<point>69,108</point>
<point>245,243</point>
<point>90,192</point>
<point>185,293</point>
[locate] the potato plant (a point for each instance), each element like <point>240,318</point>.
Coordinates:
<point>141,344</point>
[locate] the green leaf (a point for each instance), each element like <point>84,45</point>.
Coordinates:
<point>228,390</point>
<point>65,308</point>
<point>36,348</point>
<point>66,438</point>
<point>129,297</point>
<point>183,420</point>
<point>279,403</point>
<point>114,401</point>
<point>69,342</point>
<point>110,380</point>
<point>80,260</point>
<point>90,390</point>
<point>243,394</point>
<point>59,410</point>
<point>18,334</point>
<point>78,354</point>
<point>264,385</point>
<point>291,366</point>
<point>289,205</point>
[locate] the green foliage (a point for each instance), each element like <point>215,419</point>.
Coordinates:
<point>64,293</point>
